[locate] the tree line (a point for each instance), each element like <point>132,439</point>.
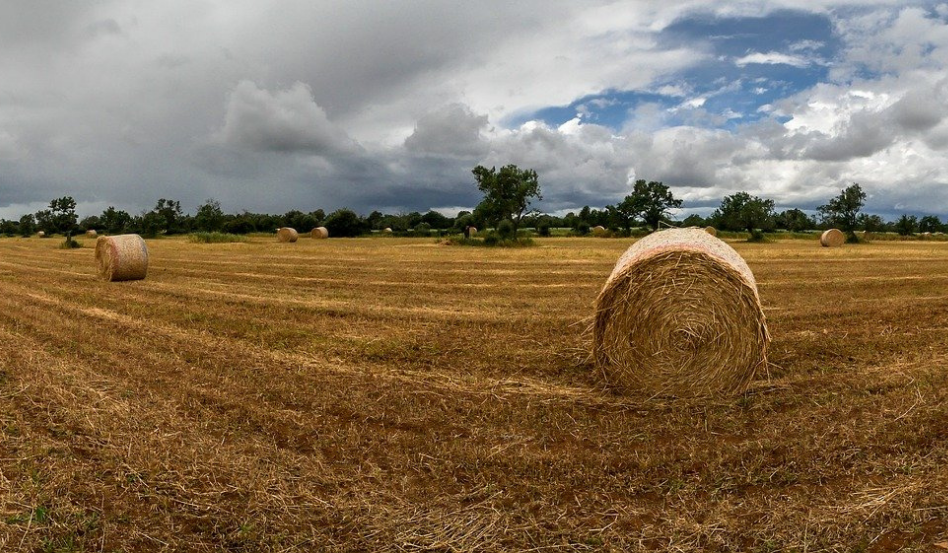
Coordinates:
<point>508,193</point>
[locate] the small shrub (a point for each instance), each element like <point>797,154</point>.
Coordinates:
<point>757,236</point>
<point>422,229</point>
<point>582,228</point>
<point>543,229</point>
<point>69,244</point>
<point>505,230</point>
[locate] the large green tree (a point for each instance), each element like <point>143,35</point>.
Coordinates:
<point>625,212</point>
<point>209,217</point>
<point>60,218</point>
<point>843,210</point>
<point>507,193</point>
<point>743,211</point>
<point>794,220</point>
<point>167,216</point>
<point>651,201</point>
<point>345,222</point>
<point>115,221</point>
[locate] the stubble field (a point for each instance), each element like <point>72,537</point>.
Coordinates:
<point>388,394</point>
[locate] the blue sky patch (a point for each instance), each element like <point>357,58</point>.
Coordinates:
<point>751,62</point>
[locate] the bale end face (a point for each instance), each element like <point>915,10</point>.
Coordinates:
<point>832,238</point>
<point>321,233</point>
<point>122,257</point>
<point>680,316</point>
<point>287,234</point>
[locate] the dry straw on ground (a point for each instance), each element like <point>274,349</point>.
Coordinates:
<point>321,232</point>
<point>680,315</point>
<point>287,234</point>
<point>832,238</point>
<point>91,233</point>
<point>122,257</point>
<point>711,230</point>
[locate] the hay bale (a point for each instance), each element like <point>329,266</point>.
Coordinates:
<point>41,234</point>
<point>287,234</point>
<point>387,230</point>
<point>91,233</point>
<point>472,231</point>
<point>319,233</point>
<point>832,238</point>
<point>680,315</point>
<point>599,230</point>
<point>122,257</point>
<point>711,230</point>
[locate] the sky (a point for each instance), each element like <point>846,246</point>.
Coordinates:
<point>271,106</point>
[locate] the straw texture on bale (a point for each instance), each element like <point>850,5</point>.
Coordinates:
<point>287,234</point>
<point>321,232</point>
<point>832,238</point>
<point>91,233</point>
<point>122,257</point>
<point>680,315</point>
<point>711,230</point>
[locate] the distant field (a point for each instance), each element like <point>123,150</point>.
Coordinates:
<point>389,394</point>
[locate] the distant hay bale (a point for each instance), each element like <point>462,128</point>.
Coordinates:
<point>41,234</point>
<point>472,231</point>
<point>387,230</point>
<point>122,257</point>
<point>711,230</point>
<point>832,238</point>
<point>287,234</point>
<point>599,230</point>
<point>680,315</point>
<point>319,233</point>
<point>91,233</point>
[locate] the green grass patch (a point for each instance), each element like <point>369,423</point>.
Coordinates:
<point>489,241</point>
<point>215,237</point>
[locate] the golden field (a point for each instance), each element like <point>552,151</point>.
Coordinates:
<point>388,394</point>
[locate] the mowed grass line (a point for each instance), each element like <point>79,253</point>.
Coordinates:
<point>204,409</point>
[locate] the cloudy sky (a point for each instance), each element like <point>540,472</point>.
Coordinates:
<point>379,104</point>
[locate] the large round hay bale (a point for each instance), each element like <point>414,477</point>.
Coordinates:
<point>711,230</point>
<point>320,233</point>
<point>832,238</point>
<point>598,230</point>
<point>680,315</point>
<point>91,233</point>
<point>387,230</point>
<point>472,231</point>
<point>287,234</point>
<point>122,257</point>
<point>41,234</point>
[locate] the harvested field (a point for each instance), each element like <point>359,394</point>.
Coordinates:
<point>397,395</point>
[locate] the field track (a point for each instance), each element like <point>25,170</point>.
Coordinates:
<point>388,394</point>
